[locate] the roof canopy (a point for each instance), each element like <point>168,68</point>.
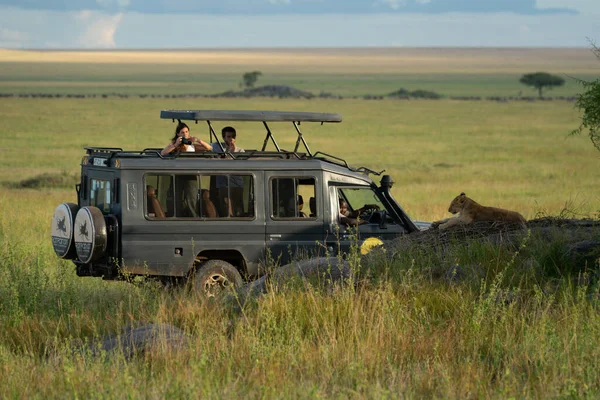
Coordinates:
<point>243,115</point>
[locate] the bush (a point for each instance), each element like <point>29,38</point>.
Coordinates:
<point>417,94</point>
<point>47,180</point>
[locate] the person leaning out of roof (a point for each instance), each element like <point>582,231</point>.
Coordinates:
<point>182,142</point>
<point>228,144</point>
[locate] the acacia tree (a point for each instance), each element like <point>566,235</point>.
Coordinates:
<point>541,80</point>
<point>589,103</point>
<point>250,78</point>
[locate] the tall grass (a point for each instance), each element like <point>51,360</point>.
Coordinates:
<point>525,326</point>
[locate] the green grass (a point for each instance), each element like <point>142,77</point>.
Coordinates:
<point>82,79</point>
<point>525,326</point>
<point>515,155</point>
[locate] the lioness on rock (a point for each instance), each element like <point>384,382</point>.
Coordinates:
<point>470,211</point>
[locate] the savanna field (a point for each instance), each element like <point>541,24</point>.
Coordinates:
<point>527,326</point>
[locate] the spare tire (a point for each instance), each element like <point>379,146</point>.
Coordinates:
<point>63,221</point>
<point>90,234</point>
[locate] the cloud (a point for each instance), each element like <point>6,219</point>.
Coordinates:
<point>12,38</point>
<point>83,15</point>
<point>113,3</point>
<point>398,4</point>
<point>394,4</point>
<point>99,29</point>
<point>266,7</point>
<point>581,6</point>
<point>94,29</point>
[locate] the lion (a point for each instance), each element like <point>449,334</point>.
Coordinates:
<point>470,211</point>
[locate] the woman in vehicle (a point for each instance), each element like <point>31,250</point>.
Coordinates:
<point>182,142</point>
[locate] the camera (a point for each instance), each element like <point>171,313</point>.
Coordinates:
<point>185,141</point>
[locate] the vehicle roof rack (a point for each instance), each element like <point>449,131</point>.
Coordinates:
<point>110,152</point>
<point>341,162</point>
<point>249,115</point>
<point>242,115</point>
<point>261,116</point>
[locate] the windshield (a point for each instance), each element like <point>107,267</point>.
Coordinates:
<point>358,197</point>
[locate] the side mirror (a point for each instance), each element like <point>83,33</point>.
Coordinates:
<point>386,182</point>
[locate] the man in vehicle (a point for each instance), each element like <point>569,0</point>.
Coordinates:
<point>229,135</point>
<point>236,183</point>
<point>351,218</point>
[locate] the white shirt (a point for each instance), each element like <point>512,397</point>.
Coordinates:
<point>190,148</point>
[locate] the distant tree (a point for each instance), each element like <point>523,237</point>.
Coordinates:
<point>541,80</point>
<point>250,78</point>
<point>589,103</point>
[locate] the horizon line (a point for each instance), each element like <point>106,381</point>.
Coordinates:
<point>259,48</point>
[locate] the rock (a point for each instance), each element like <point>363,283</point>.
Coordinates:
<point>137,340</point>
<point>323,271</point>
<point>461,273</point>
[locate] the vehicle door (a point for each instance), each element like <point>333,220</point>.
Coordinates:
<point>376,225</point>
<point>294,216</point>
<point>201,214</point>
<point>100,188</point>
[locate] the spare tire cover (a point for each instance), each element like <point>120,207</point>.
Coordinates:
<point>90,234</point>
<point>62,230</point>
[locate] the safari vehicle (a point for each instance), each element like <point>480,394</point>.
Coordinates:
<point>140,213</point>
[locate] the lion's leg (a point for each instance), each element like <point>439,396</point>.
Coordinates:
<point>450,222</point>
<point>438,223</point>
<point>460,219</point>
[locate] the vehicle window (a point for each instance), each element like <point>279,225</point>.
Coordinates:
<point>200,196</point>
<point>232,195</point>
<point>293,198</point>
<point>100,194</point>
<point>358,197</point>
<point>159,196</point>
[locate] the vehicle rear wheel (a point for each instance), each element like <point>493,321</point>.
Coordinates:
<point>214,277</point>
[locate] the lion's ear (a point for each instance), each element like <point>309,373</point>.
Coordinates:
<point>463,194</point>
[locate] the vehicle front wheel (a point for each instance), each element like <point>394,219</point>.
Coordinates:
<point>214,277</point>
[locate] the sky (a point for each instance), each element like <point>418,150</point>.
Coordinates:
<point>159,24</point>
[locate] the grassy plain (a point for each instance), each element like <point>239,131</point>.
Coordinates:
<point>516,154</point>
<point>346,72</point>
<point>404,332</point>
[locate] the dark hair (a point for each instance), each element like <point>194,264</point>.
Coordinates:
<point>228,129</point>
<point>343,202</point>
<point>180,126</point>
<point>300,199</point>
